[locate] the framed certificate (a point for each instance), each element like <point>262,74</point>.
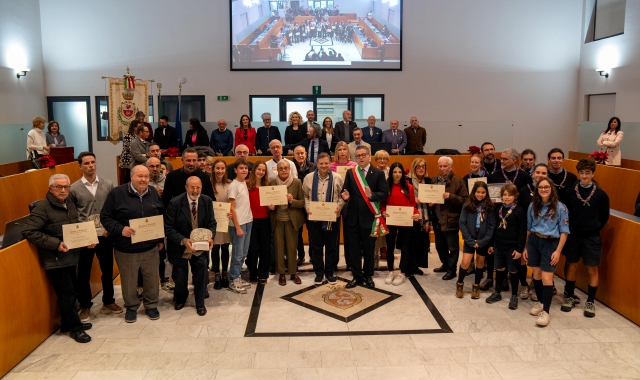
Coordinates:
<point>79,235</point>
<point>322,211</point>
<point>494,192</point>
<point>472,181</point>
<point>220,211</point>
<point>342,170</point>
<point>400,216</point>
<point>273,195</point>
<point>428,193</point>
<point>149,228</point>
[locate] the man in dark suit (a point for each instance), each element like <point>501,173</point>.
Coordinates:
<point>344,128</point>
<point>313,145</point>
<point>396,137</point>
<point>371,134</point>
<point>140,146</point>
<point>360,218</point>
<point>165,135</point>
<point>185,213</point>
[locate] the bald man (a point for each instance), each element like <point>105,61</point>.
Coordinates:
<point>396,137</point>
<point>221,140</point>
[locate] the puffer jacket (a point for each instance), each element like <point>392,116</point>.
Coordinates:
<point>44,229</point>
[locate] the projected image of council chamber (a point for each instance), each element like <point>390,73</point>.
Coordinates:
<point>311,34</point>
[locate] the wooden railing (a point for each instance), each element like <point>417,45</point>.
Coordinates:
<point>626,164</point>
<point>15,168</point>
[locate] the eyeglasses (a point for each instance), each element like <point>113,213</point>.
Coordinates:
<point>421,167</point>
<point>362,155</point>
<point>59,188</point>
<point>383,159</point>
<point>284,169</point>
<point>195,187</point>
<point>544,187</point>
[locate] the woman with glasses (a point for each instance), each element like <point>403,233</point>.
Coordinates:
<point>265,135</point>
<point>420,243</point>
<point>246,135</point>
<point>295,132</point>
<point>547,231</point>
<point>380,250</point>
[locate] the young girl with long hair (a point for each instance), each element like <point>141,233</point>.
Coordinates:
<point>220,251</point>
<point>477,222</point>
<point>401,194</point>
<point>548,228</point>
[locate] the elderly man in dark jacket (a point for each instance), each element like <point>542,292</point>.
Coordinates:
<point>187,212</point>
<point>134,200</point>
<point>447,217</point>
<point>44,229</point>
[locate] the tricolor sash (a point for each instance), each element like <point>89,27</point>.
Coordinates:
<point>379,227</point>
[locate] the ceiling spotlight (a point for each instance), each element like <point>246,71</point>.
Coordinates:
<point>603,73</point>
<point>22,73</point>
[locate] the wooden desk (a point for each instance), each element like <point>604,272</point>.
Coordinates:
<point>627,164</point>
<point>18,191</point>
<point>15,168</point>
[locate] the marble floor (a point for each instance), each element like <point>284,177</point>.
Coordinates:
<point>486,342</point>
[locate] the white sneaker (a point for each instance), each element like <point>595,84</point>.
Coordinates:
<point>399,279</point>
<point>244,284</point>
<point>236,286</point>
<point>390,277</point>
<point>536,309</point>
<point>543,319</point>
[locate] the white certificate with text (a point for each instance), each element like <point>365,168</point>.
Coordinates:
<point>428,193</point>
<point>149,228</point>
<point>220,211</point>
<point>79,235</point>
<point>399,216</point>
<point>273,195</point>
<point>472,181</point>
<point>323,211</point>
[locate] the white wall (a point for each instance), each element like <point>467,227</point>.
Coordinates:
<point>621,54</point>
<point>21,45</point>
<point>494,60</point>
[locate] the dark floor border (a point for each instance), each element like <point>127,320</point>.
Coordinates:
<point>250,331</point>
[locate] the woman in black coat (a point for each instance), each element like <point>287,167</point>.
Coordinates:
<point>196,135</point>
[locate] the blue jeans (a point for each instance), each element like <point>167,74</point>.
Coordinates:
<point>240,245</point>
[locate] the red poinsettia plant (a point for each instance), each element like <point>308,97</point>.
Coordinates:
<point>46,161</point>
<point>599,157</point>
<point>474,150</point>
<point>172,152</point>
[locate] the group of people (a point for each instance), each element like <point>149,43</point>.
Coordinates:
<point>40,142</point>
<point>529,225</point>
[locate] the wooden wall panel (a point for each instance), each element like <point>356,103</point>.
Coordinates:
<point>15,168</point>
<point>18,191</point>
<point>627,164</point>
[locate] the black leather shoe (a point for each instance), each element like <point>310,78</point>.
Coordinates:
<point>201,311</point>
<point>419,271</point>
<point>178,306</point>
<point>85,327</point>
<point>449,276</point>
<point>355,282</point>
<point>300,262</point>
<point>370,283</point>
<point>80,336</point>
<point>441,269</point>
<point>206,294</point>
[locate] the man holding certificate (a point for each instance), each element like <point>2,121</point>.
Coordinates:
<point>187,212</point>
<point>446,225</point>
<point>44,229</point>
<point>135,200</point>
<point>323,203</point>
<point>364,188</point>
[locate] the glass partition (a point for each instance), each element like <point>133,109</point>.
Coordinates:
<point>14,137</point>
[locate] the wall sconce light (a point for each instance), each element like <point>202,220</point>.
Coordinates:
<point>22,73</point>
<point>603,73</point>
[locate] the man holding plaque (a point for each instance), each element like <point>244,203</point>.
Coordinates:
<point>364,188</point>
<point>135,200</point>
<point>322,190</point>
<point>44,229</point>
<point>189,212</point>
<point>88,195</point>
<point>446,225</point>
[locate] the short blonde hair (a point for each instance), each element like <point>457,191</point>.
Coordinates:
<point>381,153</point>
<point>37,120</point>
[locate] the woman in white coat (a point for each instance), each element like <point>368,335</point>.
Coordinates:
<point>610,141</point>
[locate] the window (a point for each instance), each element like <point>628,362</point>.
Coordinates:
<point>102,116</point>
<point>191,106</point>
<point>606,19</point>
<point>73,114</point>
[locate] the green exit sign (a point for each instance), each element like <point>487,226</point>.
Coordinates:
<point>223,97</point>
<point>317,90</point>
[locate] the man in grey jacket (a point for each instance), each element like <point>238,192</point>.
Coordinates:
<point>44,230</point>
<point>88,195</point>
<point>139,146</point>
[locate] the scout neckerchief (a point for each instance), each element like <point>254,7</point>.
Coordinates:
<point>507,180</point>
<point>493,164</point>
<point>561,185</point>
<point>530,190</point>
<point>585,202</point>
<point>379,227</point>
<point>328,196</point>
<point>481,173</point>
<point>503,220</point>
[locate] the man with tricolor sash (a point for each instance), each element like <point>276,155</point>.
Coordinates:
<point>364,188</point>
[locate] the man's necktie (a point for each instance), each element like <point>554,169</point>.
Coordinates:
<point>394,133</point>
<point>371,132</point>
<point>193,210</point>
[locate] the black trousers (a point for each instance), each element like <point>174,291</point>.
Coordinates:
<point>180,276</point>
<point>259,258</point>
<point>356,235</point>
<point>448,247</point>
<point>63,281</point>
<point>220,256</point>
<point>323,262</point>
<point>104,251</point>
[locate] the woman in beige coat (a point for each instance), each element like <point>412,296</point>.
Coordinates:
<point>610,140</point>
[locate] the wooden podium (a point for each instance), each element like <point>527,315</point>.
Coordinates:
<point>62,155</point>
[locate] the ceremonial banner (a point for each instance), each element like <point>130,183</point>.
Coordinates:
<point>126,98</point>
